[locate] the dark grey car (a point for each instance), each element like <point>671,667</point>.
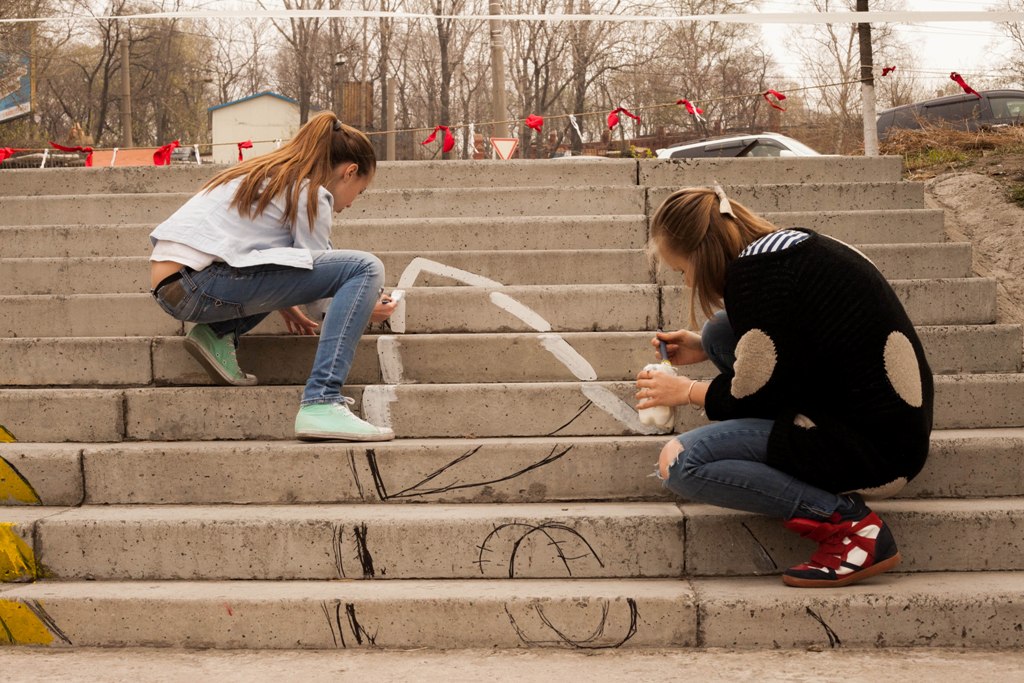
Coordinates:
<point>960,112</point>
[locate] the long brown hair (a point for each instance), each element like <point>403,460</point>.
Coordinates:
<point>690,223</point>
<point>315,151</point>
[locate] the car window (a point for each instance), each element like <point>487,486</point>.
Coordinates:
<point>1007,108</point>
<point>695,152</point>
<point>955,111</point>
<point>764,148</point>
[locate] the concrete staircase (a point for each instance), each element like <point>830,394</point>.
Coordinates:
<point>147,508</point>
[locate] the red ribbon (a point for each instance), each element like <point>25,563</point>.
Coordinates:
<point>613,117</point>
<point>696,111</point>
<point>775,93</point>
<point>535,122</point>
<point>247,144</point>
<point>887,70</point>
<point>449,139</point>
<point>162,156</point>
<point>963,84</point>
<point>87,150</point>
<point>6,153</point>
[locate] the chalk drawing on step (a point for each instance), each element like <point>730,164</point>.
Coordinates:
<point>17,561</point>
<point>508,542</point>
<point>535,627</point>
<point>14,487</point>
<point>358,632</point>
<point>25,622</point>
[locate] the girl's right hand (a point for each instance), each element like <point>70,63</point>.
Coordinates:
<point>684,347</point>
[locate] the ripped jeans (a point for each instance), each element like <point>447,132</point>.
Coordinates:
<point>724,463</point>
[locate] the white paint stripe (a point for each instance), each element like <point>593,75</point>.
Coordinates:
<point>377,400</point>
<point>570,357</point>
<point>521,311</point>
<point>390,358</point>
<point>420,264</point>
<point>397,318</point>
<point>604,399</point>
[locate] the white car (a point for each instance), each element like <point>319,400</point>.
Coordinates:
<point>750,145</point>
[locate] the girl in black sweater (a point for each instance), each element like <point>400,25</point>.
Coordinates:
<point>824,397</point>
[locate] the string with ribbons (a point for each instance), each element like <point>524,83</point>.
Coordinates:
<point>533,121</point>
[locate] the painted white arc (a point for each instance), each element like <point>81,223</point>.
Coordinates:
<point>568,356</point>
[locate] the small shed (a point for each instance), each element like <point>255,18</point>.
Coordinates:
<point>265,116</point>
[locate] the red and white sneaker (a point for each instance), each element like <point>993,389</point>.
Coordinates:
<point>851,548</point>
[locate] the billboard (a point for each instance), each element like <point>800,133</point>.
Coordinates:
<point>15,84</point>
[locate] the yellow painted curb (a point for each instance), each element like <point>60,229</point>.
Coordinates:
<point>17,561</point>
<point>27,623</point>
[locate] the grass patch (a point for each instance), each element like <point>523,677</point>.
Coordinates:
<point>936,149</point>
<point>1016,194</point>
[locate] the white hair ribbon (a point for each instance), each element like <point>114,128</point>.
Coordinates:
<point>724,207</point>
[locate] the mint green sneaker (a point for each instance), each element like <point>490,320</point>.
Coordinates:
<point>336,421</point>
<point>217,356</point>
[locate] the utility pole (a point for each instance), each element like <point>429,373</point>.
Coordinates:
<point>498,111</point>
<point>867,84</point>
<point>126,92</point>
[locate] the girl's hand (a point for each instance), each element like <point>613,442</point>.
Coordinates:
<point>684,347</point>
<point>661,389</point>
<point>297,322</point>
<point>383,310</point>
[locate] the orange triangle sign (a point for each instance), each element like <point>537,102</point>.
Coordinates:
<point>505,147</point>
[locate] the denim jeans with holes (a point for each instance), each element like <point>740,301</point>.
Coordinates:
<point>235,300</point>
<point>724,463</point>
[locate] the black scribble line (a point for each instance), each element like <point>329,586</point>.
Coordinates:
<point>764,550</point>
<point>833,637</point>
<point>336,621</point>
<point>355,474</point>
<point>436,473</point>
<point>378,480</point>
<point>337,543</point>
<point>546,460</point>
<point>7,632</point>
<point>585,643</point>
<point>365,558</point>
<point>47,620</point>
<point>26,482</point>
<point>582,410</point>
<point>357,629</point>
<point>531,529</point>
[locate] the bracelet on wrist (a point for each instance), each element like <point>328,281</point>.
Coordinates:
<point>689,399</point>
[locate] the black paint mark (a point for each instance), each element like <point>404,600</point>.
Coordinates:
<point>765,555</point>
<point>531,529</point>
<point>337,543</point>
<point>357,629</point>
<point>582,410</point>
<point>587,643</point>
<point>378,480</point>
<point>833,637</point>
<point>365,558</point>
<point>47,620</point>
<point>338,634</point>
<point>355,475</point>
<point>416,489</point>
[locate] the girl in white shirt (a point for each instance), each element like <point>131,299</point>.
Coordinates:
<point>257,239</point>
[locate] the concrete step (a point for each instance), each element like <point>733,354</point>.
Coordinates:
<point>409,203</point>
<point>362,542</point>
<point>938,609</point>
<point>561,540</point>
<point>971,463</point>
<point>813,196</point>
<point>860,665</point>
<point>480,173</point>
<point>426,358</point>
<point>126,275</point>
<point>415,411</point>
<point>484,233</point>
<point>692,172</point>
<point>569,308</point>
<point>951,301</point>
<point>456,202</point>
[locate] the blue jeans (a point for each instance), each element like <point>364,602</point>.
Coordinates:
<point>724,463</point>
<point>235,300</point>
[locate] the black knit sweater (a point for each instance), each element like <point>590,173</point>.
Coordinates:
<point>827,351</point>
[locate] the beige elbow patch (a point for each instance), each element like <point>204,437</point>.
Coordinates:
<point>884,491</point>
<point>902,370</point>
<point>804,422</point>
<point>755,363</point>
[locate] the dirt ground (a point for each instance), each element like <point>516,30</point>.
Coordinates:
<point>979,210</point>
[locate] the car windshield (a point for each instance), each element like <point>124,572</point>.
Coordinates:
<point>800,148</point>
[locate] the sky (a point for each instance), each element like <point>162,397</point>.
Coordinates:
<point>937,48</point>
